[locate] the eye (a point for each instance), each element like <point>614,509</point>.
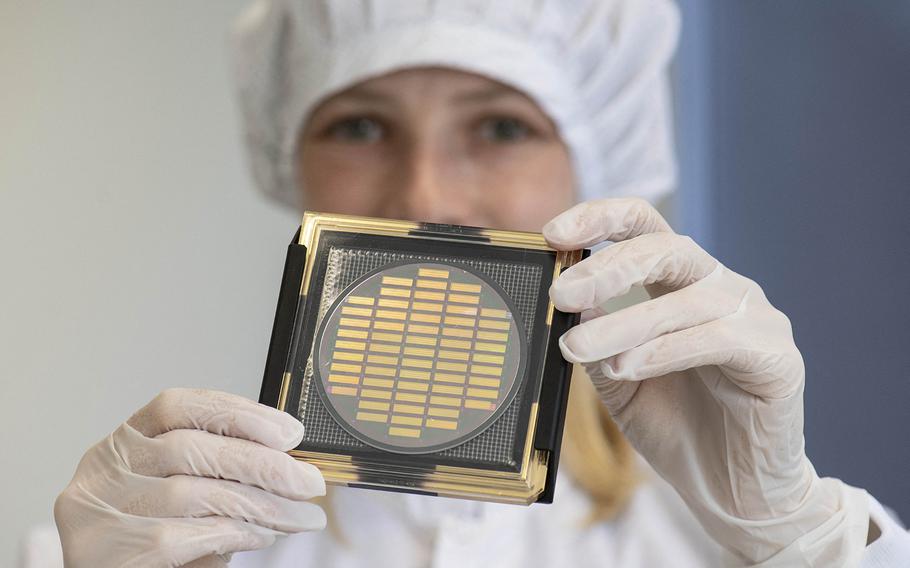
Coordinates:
<point>504,130</point>
<point>358,130</point>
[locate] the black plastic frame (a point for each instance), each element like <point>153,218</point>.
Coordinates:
<point>469,242</point>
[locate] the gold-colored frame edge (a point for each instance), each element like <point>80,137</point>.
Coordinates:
<point>517,491</point>
<point>345,470</point>
<point>313,220</point>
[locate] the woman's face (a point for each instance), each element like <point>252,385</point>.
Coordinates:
<point>435,145</point>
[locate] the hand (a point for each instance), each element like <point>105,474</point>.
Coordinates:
<point>192,477</point>
<point>706,382</point>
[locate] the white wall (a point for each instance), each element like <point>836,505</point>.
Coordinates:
<point>134,254</point>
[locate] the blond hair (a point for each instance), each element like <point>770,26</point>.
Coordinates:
<point>597,455</point>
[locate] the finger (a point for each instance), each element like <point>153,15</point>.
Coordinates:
<point>670,260</point>
<point>601,220</point>
<point>614,394</point>
<point>203,454</point>
<point>219,413</point>
<point>212,561</point>
<point>591,313</point>
<point>181,541</point>
<point>190,496</point>
<point>709,299</point>
<point>763,370</point>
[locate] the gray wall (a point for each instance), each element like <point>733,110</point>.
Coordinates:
<point>133,253</point>
<point>796,171</point>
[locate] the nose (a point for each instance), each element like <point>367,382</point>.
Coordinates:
<point>430,188</point>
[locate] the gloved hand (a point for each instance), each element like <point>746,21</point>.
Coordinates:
<point>705,381</point>
<point>190,478</point>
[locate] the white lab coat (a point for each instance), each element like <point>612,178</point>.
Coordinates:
<point>404,531</point>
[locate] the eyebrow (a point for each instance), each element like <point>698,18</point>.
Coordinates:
<point>486,94</point>
<point>363,94</point>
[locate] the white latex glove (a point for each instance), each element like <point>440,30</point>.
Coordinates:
<point>189,479</point>
<point>707,384</point>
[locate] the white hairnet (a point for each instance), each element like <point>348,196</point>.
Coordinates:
<point>596,67</point>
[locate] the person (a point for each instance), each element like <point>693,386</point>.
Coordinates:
<point>501,115</point>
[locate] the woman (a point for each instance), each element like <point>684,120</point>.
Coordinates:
<point>501,116</point>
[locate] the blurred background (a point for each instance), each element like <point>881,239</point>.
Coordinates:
<point>135,255</point>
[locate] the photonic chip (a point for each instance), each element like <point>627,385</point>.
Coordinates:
<point>419,357</point>
<point>422,357</point>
